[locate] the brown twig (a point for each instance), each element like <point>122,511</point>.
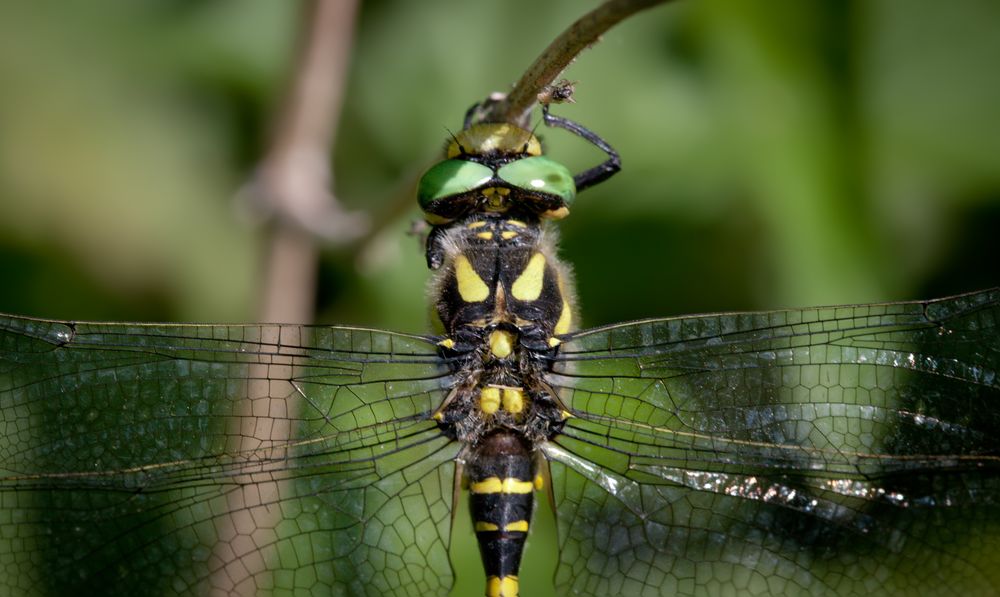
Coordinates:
<point>293,181</point>
<point>517,105</point>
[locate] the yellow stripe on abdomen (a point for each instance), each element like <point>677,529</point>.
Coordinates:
<point>518,526</point>
<point>497,485</point>
<point>501,587</point>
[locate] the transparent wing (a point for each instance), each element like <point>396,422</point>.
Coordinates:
<point>186,459</point>
<point>843,450</point>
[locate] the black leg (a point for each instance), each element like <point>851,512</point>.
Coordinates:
<point>469,115</point>
<point>598,173</point>
<point>435,247</point>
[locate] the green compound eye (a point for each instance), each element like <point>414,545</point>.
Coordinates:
<point>451,177</point>
<point>539,174</point>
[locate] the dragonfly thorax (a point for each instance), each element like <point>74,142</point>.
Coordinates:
<point>502,271</point>
<point>502,298</point>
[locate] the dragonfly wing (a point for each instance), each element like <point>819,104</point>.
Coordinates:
<point>842,450</point>
<point>246,459</point>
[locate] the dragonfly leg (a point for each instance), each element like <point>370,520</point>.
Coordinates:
<point>598,173</point>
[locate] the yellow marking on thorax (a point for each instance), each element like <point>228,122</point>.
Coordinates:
<point>508,234</point>
<point>447,343</point>
<point>496,485</point>
<point>528,286</point>
<point>501,343</point>
<point>471,287</point>
<point>476,224</point>
<point>486,526</point>
<point>566,316</point>
<point>539,482</point>
<point>513,400</point>
<point>489,400</point>
<point>517,526</point>
<point>565,319</point>
<point>517,223</point>
<point>501,587</point>
<point>484,235</point>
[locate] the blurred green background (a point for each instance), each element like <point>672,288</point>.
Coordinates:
<point>775,154</point>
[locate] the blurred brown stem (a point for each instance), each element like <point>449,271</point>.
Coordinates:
<point>517,105</point>
<point>294,179</point>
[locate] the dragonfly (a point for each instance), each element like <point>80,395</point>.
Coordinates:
<point>834,450</point>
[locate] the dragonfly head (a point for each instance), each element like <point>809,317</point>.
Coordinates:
<point>495,167</point>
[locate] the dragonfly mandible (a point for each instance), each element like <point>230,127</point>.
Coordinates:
<point>834,450</point>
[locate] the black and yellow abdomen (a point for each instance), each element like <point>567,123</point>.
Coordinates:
<point>501,486</point>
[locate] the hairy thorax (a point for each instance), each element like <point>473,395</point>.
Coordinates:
<point>502,297</point>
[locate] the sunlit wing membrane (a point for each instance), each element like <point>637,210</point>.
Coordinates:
<point>187,459</point>
<point>845,450</point>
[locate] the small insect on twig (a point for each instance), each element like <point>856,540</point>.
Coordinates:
<point>558,93</point>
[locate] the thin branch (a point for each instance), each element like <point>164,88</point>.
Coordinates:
<point>517,105</point>
<point>293,181</point>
